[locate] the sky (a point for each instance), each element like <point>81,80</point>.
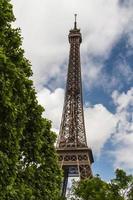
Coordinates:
<point>107,70</point>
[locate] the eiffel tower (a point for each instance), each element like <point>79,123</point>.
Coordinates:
<point>75,158</point>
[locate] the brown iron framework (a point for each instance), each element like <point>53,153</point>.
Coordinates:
<point>75,157</point>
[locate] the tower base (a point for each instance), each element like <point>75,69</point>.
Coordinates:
<point>75,163</point>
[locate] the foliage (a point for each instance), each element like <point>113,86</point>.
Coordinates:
<point>122,184</point>
<point>62,198</point>
<point>28,161</point>
<point>120,188</point>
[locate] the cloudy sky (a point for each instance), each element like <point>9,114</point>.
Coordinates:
<point>107,69</point>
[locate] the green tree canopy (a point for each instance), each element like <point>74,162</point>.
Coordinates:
<point>28,161</point>
<point>119,188</point>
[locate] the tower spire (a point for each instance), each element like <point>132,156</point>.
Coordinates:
<point>75,23</point>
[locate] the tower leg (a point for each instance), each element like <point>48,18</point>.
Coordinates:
<point>65,181</point>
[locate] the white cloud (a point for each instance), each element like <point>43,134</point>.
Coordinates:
<point>53,103</point>
<point>121,75</point>
<point>123,137</point>
<point>100,125</point>
<point>123,100</point>
<point>45,25</point>
<point>91,71</point>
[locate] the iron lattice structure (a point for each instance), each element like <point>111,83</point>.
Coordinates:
<point>75,157</point>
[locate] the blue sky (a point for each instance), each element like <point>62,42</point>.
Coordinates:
<point>107,70</point>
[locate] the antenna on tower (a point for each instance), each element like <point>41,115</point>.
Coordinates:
<point>75,23</point>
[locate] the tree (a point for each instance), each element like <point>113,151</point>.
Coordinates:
<point>28,161</point>
<point>122,184</point>
<point>120,188</point>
